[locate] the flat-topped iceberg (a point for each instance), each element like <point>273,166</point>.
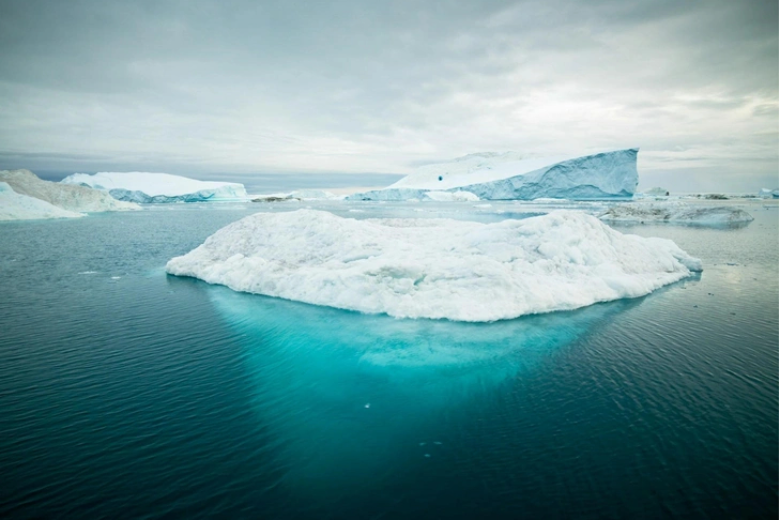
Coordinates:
<point>148,187</point>
<point>435,268</point>
<point>15,206</point>
<point>65,196</point>
<point>676,213</point>
<point>509,176</point>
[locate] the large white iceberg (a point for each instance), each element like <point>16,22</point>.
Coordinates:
<point>435,268</point>
<point>148,187</point>
<point>678,213</point>
<point>69,197</point>
<point>766,193</point>
<point>509,176</point>
<point>15,206</point>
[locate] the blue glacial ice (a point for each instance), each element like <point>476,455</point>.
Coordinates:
<point>315,369</point>
<point>509,176</point>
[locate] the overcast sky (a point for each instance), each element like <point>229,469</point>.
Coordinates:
<point>200,87</point>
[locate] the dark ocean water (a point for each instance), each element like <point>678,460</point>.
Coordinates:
<point>126,393</point>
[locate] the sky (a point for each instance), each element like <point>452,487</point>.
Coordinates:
<point>234,88</point>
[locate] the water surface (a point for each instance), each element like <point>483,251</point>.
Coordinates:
<point>127,393</point>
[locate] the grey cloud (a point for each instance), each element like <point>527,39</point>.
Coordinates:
<point>368,86</point>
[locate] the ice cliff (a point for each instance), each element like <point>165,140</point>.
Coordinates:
<point>15,206</point>
<point>148,187</point>
<point>510,176</point>
<point>71,198</point>
<point>435,268</point>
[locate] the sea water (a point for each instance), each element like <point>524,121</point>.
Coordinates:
<point>127,393</point>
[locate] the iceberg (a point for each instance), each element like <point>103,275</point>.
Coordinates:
<point>148,187</point>
<point>509,176</point>
<point>309,194</point>
<point>80,199</point>
<point>678,213</point>
<point>15,206</point>
<point>435,268</point>
<point>766,193</point>
<point>656,192</point>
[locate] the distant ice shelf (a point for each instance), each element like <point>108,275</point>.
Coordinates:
<point>148,187</point>
<point>677,213</point>
<point>510,176</point>
<point>435,268</point>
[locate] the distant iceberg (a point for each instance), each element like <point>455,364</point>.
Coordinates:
<point>147,187</point>
<point>509,176</point>
<point>766,193</point>
<point>80,199</point>
<point>435,268</point>
<point>308,194</point>
<point>678,213</point>
<point>15,206</point>
<point>656,192</point>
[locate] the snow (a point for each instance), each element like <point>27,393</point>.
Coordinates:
<point>71,198</point>
<point>15,206</point>
<point>510,176</point>
<point>158,187</point>
<point>435,268</point>
<point>676,212</point>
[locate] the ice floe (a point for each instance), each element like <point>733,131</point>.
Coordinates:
<point>676,212</point>
<point>435,268</point>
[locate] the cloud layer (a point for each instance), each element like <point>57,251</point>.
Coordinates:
<point>350,86</point>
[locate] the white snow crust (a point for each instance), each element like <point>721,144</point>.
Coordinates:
<point>158,187</point>
<point>435,268</point>
<point>65,196</point>
<point>509,175</point>
<point>676,212</point>
<point>15,206</point>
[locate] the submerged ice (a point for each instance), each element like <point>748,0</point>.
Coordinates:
<point>435,268</point>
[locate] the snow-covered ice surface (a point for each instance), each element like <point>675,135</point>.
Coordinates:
<point>435,268</point>
<point>508,176</point>
<point>65,196</point>
<point>15,206</point>
<point>677,212</point>
<point>148,187</point>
